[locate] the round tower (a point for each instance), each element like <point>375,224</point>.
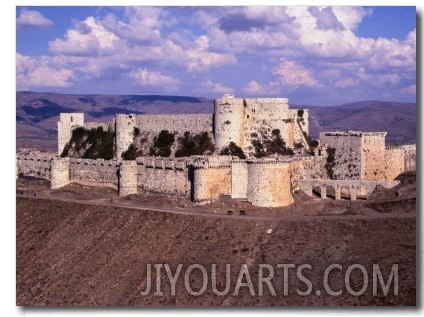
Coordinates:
<point>229,121</point>
<point>125,124</point>
<point>128,178</point>
<point>59,173</point>
<point>269,183</point>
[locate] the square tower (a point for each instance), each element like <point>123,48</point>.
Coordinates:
<point>67,123</point>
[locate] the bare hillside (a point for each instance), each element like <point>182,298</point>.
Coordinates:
<point>89,254</point>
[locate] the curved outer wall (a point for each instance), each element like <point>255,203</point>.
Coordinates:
<point>269,184</point>
<point>59,176</point>
<point>229,121</point>
<point>125,125</point>
<point>128,178</point>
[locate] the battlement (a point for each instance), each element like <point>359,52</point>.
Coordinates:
<point>206,162</point>
<point>353,133</point>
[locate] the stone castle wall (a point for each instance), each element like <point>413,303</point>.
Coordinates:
<point>194,123</point>
<point>212,177</point>
<point>105,125</point>
<point>35,164</point>
<point>124,132</point>
<point>59,172</point>
<point>269,183</point>
<point>373,156</point>
<point>229,121</point>
<point>67,122</point>
<point>348,153</point>
<point>153,124</point>
<point>164,176</point>
<point>394,163</point>
<point>239,177</point>
<point>103,173</point>
<point>128,178</point>
<point>241,121</point>
<point>364,156</point>
<point>410,154</point>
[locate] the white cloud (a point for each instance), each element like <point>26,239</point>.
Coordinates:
<point>409,90</point>
<point>88,38</point>
<point>288,47</point>
<point>32,18</point>
<point>346,82</point>
<point>150,78</point>
<point>209,86</point>
<point>43,72</point>
<point>254,88</point>
<point>294,75</point>
<point>200,58</point>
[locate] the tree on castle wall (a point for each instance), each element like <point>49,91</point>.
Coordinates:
<point>234,150</point>
<point>162,144</point>
<point>91,144</point>
<point>275,145</point>
<point>198,144</point>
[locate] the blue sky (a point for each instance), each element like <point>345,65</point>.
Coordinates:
<point>312,55</point>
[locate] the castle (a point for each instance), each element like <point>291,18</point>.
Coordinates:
<point>349,163</point>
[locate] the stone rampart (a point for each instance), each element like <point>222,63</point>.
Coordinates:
<point>194,123</point>
<point>211,177</point>
<point>348,153</point>
<point>59,176</point>
<point>269,183</point>
<point>373,156</point>
<point>35,164</point>
<point>164,176</point>
<point>128,178</point>
<point>394,163</point>
<point>98,172</point>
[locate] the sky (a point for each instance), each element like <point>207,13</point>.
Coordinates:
<point>312,55</point>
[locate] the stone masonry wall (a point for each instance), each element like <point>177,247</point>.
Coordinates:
<point>348,153</point>
<point>306,168</point>
<point>212,177</point>
<point>59,176</point>
<point>34,164</point>
<point>229,121</point>
<point>128,178</point>
<point>373,156</point>
<point>239,175</point>
<point>193,123</point>
<point>164,176</point>
<point>94,172</point>
<point>124,132</point>
<point>394,163</point>
<point>269,183</point>
<point>241,121</point>
<point>67,122</point>
<point>410,151</point>
<point>105,125</point>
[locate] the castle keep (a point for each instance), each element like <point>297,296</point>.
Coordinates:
<point>350,163</point>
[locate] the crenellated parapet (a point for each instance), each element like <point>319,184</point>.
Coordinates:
<point>211,162</point>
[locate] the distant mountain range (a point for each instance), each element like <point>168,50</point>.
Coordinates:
<point>37,114</point>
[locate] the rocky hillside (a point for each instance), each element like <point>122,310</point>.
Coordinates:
<point>37,114</point>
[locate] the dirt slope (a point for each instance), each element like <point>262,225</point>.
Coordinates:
<point>78,254</point>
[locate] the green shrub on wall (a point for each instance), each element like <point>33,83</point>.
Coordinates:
<point>198,144</point>
<point>234,150</point>
<point>91,144</point>
<point>162,144</point>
